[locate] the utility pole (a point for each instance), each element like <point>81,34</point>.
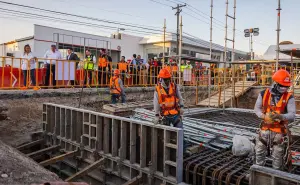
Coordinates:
<point>251,40</point>
<point>180,49</point>
<point>164,42</point>
<point>278,34</point>
<point>178,11</point>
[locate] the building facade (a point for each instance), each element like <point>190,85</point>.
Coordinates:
<point>118,44</point>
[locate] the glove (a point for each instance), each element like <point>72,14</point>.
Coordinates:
<point>156,120</point>
<point>181,111</point>
<point>276,116</point>
<point>268,118</point>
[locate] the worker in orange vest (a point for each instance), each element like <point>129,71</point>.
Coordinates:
<point>123,67</point>
<point>103,67</point>
<point>168,102</point>
<point>276,107</point>
<point>116,88</point>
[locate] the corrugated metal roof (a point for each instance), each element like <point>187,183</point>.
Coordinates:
<point>270,54</point>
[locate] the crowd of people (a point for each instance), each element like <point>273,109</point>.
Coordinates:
<point>98,69</point>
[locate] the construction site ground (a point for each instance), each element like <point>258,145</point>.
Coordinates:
<point>25,114</point>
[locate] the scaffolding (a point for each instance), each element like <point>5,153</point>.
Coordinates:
<point>225,49</point>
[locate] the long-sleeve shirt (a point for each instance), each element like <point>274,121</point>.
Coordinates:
<point>156,102</point>
<point>290,107</point>
<point>121,87</point>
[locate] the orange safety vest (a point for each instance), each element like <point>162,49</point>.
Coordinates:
<point>114,86</point>
<point>122,66</point>
<point>279,108</point>
<point>102,62</point>
<point>168,68</point>
<point>168,102</point>
<point>174,68</point>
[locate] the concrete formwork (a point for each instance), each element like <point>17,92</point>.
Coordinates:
<point>131,148</point>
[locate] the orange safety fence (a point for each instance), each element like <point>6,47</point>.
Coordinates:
<point>51,73</point>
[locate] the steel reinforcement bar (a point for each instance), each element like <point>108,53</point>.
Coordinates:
<point>131,148</point>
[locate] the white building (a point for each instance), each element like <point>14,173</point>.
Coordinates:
<point>118,45</point>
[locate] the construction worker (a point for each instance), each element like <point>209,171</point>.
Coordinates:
<point>168,102</point>
<point>116,88</point>
<point>276,107</point>
<point>104,64</point>
<point>89,62</point>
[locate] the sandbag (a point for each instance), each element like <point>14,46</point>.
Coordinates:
<point>242,146</point>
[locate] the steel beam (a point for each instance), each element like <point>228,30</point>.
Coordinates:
<point>31,144</point>
<point>86,170</point>
<point>58,158</point>
<point>43,151</point>
<point>135,181</point>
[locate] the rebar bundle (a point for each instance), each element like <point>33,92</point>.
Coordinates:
<point>210,134</point>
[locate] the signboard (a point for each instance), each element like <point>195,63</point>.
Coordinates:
<point>247,34</point>
<point>255,29</point>
<point>256,33</point>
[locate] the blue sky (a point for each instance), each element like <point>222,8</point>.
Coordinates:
<point>254,13</point>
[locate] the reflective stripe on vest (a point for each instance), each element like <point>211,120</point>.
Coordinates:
<point>278,108</point>
<point>102,62</point>
<point>114,86</point>
<point>168,102</point>
<point>88,63</point>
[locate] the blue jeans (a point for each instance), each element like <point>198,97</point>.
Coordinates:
<point>115,98</point>
<point>176,121</point>
<point>32,76</point>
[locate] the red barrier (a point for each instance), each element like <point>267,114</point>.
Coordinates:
<point>13,77</point>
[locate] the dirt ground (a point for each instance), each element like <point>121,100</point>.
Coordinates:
<point>15,169</point>
<point>24,116</point>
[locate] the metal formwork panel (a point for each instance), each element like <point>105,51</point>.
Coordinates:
<point>131,147</point>
<point>269,176</point>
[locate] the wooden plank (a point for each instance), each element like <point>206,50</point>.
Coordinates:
<point>135,181</point>
<point>86,170</point>
<point>43,151</point>
<point>240,88</point>
<point>58,158</point>
<point>31,144</point>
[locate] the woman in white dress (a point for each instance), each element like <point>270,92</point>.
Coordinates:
<point>28,66</point>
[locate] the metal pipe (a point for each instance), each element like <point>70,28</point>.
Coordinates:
<point>225,54</point>
<point>164,42</point>
<point>210,50</point>
<point>278,34</point>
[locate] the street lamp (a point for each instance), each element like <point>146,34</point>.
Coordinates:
<point>250,33</point>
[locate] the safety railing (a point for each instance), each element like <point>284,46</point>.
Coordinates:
<point>18,73</point>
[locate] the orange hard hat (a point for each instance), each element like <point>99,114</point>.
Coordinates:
<point>282,77</point>
<point>164,73</point>
<point>116,72</point>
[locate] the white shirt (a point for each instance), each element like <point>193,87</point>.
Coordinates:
<point>28,58</point>
<point>49,54</point>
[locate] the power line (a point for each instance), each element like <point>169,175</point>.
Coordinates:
<point>80,16</point>
<point>38,16</point>
<point>161,3</point>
